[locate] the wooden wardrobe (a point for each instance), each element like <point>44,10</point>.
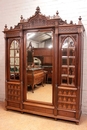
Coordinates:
<point>64,61</point>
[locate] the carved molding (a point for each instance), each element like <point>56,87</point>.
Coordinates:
<point>74,36</point>
<point>68,29</point>
<point>38,20</point>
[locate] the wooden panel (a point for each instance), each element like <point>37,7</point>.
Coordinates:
<point>13,92</point>
<point>38,109</point>
<point>66,114</point>
<point>42,52</point>
<point>12,104</point>
<point>47,60</point>
<point>67,99</point>
<point>70,29</point>
<point>13,34</point>
<point>45,53</point>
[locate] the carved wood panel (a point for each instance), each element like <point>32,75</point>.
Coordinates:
<point>13,92</point>
<point>67,99</point>
<point>68,29</point>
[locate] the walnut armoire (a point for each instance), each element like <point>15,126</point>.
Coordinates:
<point>67,66</point>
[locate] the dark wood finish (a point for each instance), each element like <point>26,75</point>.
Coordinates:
<point>66,60</point>
<point>35,76</point>
<point>46,53</point>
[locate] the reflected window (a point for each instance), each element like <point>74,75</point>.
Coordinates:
<point>40,39</point>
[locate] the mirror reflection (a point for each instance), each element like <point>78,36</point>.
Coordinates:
<point>39,66</point>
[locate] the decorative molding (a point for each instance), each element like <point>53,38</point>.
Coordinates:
<point>68,29</point>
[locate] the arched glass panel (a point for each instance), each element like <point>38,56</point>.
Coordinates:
<point>14,60</point>
<point>68,62</point>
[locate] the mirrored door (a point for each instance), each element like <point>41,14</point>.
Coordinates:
<point>39,66</point>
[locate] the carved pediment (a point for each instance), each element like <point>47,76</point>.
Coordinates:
<point>39,20</point>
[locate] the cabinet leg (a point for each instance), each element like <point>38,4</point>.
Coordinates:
<point>22,112</point>
<point>55,119</point>
<point>77,123</point>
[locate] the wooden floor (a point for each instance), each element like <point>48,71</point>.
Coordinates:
<point>12,120</point>
<point>41,93</point>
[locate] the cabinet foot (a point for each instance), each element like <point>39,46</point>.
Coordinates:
<point>55,119</point>
<point>77,123</point>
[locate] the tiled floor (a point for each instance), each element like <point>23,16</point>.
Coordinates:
<point>12,120</point>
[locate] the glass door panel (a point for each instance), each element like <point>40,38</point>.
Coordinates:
<point>68,62</point>
<point>14,60</point>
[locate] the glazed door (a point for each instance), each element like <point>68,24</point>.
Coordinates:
<point>68,78</point>
<point>13,73</point>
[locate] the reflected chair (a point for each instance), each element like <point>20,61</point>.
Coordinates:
<point>49,77</point>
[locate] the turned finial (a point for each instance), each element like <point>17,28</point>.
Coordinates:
<point>80,22</point>
<point>21,20</point>
<point>71,22</point>
<point>37,10</point>
<point>66,21</point>
<point>57,13</point>
<point>11,27</point>
<point>57,16</point>
<point>21,17</point>
<point>5,27</point>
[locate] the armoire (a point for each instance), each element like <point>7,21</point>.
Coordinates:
<point>57,68</point>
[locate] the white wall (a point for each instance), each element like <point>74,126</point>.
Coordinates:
<point>10,12</point>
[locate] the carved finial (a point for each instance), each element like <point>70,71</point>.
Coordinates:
<point>80,18</point>
<point>71,22</point>
<point>66,21</point>
<point>80,22</point>
<point>57,13</point>
<point>5,27</point>
<point>37,10</point>
<point>21,18</point>
<point>57,16</point>
<point>11,27</point>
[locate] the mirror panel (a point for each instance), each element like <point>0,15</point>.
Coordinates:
<point>39,66</point>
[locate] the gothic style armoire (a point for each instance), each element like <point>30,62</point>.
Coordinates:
<point>44,67</point>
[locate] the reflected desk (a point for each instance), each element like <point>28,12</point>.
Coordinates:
<point>35,76</point>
